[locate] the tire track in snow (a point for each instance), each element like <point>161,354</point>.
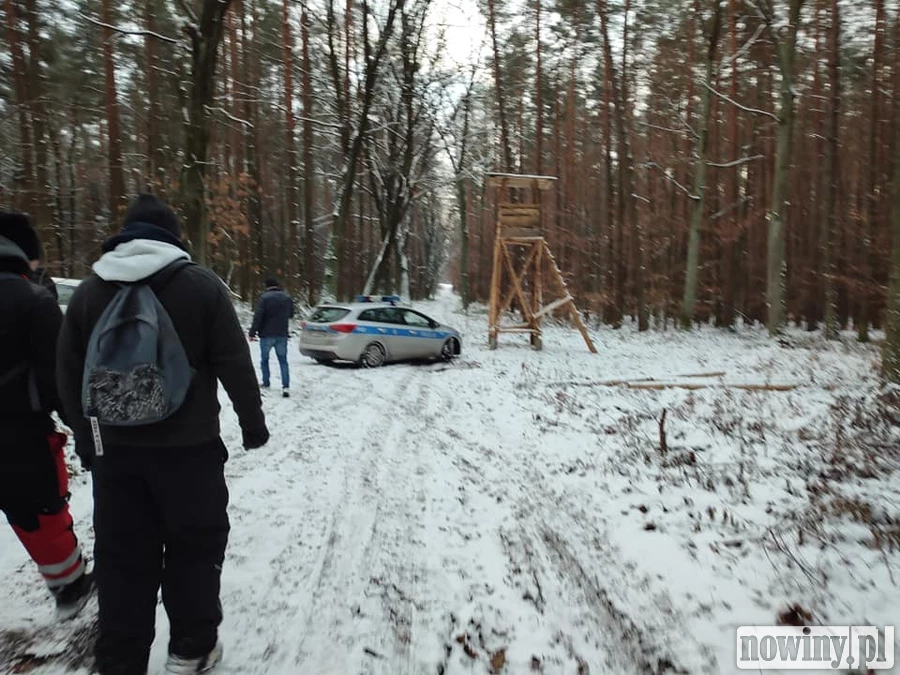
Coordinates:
<point>549,570</point>
<point>285,502</point>
<point>328,630</point>
<point>401,576</point>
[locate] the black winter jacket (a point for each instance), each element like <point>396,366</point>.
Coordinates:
<point>272,313</point>
<point>29,325</point>
<point>201,311</point>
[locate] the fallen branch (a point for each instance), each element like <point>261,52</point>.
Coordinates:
<point>663,447</point>
<point>688,385</point>
<point>654,383</point>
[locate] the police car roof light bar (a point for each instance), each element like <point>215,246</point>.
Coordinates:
<point>374,298</point>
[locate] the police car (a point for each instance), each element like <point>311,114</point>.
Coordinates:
<point>375,330</point>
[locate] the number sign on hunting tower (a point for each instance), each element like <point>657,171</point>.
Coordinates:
<point>521,256</point>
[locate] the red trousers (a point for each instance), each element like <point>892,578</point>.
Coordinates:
<point>34,497</point>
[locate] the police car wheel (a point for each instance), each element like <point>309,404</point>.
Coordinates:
<point>373,355</point>
<point>448,350</point>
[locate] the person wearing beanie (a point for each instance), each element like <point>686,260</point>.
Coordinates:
<point>18,228</point>
<point>270,323</point>
<point>160,498</point>
<point>34,489</point>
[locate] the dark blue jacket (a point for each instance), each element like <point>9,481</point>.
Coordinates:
<point>272,314</point>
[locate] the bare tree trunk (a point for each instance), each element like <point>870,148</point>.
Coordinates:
<point>39,127</point>
<point>287,52</point>
<point>155,161</point>
<point>116,194</point>
<point>813,274</point>
<point>612,309</point>
<point>890,367</point>
<point>787,53</point>
<point>871,208</point>
<point>500,90</point>
<point>205,33</point>
<point>25,197</point>
<point>309,181</point>
<point>829,222</point>
<point>539,92</point>
<point>352,158</point>
<point>731,245</point>
<point>623,193</point>
<point>698,196</point>
<point>254,196</point>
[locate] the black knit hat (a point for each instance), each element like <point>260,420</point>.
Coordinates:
<point>271,282</point>
<point>146,208</point>
<point>17,228</point>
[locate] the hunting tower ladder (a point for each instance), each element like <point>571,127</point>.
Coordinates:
<point>521,254</point>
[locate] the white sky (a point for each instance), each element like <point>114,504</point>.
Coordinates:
<point>463,28</point>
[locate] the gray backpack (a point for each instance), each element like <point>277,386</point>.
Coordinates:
<point>136,371</point>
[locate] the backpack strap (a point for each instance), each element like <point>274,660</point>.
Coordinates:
<point>161,279</point>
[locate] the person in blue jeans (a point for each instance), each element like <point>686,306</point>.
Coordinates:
<point>270,323</point>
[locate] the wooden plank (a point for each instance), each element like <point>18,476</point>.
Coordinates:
<point>519,181</point>
<point>537,290</point>
<point>576,315</point>
<point>528,261</point>
<point>516,232</point>
<point>523,301</point>
<point>526,240</point>
<point>573,310</point>
<point>516,207</point>
<point>556,304</point>
<point>495,291</point>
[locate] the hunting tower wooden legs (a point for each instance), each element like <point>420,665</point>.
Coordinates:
<point>520,256</point>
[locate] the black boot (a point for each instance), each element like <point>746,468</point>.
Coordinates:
<point>71,598</point>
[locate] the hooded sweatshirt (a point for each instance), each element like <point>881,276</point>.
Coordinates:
<point>29,325</point>
<point>201,311</point>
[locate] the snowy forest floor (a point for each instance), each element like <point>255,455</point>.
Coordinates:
<point>519,511</point>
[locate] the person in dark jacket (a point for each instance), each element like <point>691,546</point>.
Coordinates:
<point>33,474</point>
<point>270,323</point>
<point>40,276</point>
<point>160,498</point>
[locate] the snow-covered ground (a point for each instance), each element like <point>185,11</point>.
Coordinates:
<point>522,511</point>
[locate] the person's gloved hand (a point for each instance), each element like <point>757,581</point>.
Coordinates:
<point>255,438</point>
<point>85,452</point>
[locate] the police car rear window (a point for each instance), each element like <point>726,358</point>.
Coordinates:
<point>328,314</point>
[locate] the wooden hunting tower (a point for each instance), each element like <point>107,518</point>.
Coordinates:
<point>521,254</point>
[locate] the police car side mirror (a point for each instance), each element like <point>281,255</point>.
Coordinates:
<point>433,324</point>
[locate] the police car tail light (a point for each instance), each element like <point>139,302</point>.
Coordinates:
<point>343,327</point>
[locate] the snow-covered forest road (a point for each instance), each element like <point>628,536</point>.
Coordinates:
<point>520,511</point>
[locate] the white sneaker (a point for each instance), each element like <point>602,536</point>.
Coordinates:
<point>202,664</point>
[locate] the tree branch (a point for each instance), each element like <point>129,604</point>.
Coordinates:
<point>737,162</point>
<point>681,187</point>
<point>192,17</point>
<point>746,46</point>
<point>124,31</point>
<point>228,115</point>
<point>755,111</point>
